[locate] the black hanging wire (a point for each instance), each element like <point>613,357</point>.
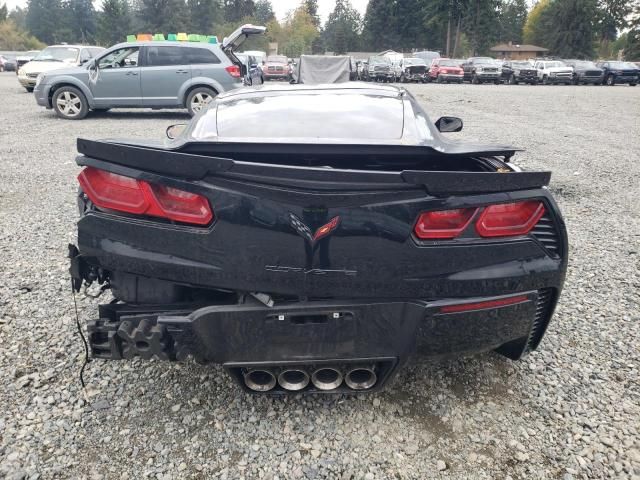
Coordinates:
<point>84,341</point>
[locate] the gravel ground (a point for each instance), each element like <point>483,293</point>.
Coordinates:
<point>569,410</point>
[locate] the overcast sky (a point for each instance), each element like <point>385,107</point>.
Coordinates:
<point>281,7</point>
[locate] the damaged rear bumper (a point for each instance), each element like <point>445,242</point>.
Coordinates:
<point>309,337</point>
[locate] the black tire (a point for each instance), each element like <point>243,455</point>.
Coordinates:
<point>403,79</point>
<point>1,68</point>
<point>474,79</point>
<point>498,82</point>
<point>438,79</point>
<point>545,80</point>
<point>29,89</point>
<point>70,103</point>
<point>512,80</point>
<point>632,84</point>
<point>198,99</point>
<point>611,81</point>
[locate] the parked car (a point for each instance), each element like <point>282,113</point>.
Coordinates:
<point>7,64</point>
<point>379,69</point>
<point>146,75</point>
<point>251,69</point>
<point>519,71</point>
<point>446,70</point>
<point>615,72</point>
<point>585,72</point>
<point>55,57</point>
<point>276,67</point>
<point>315,240</point>
<point>413,69</point>
<point>25,57</point>
<point>481,69</point>
<point>552,72</point>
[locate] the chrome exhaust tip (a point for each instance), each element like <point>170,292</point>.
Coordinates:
<point>293,379</point>
<point>361,378</point>
<point>326,378</point>
<point>259,380</point>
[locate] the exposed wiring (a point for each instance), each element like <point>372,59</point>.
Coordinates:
<point>84,341</point>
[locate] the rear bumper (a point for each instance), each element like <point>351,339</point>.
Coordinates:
<point>451,77</point>
<point>385,334</point>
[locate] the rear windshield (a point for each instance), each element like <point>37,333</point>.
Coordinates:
<point>277,59</point>
<point>345,115</point>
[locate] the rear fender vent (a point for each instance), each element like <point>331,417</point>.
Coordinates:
<point>546,233</point>
<point>544,305</point>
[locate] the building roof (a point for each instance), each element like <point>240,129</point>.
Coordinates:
<point>507,47</point>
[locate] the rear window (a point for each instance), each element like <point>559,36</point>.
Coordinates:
<point>159,56</point>
<point>306,115</point>
<point>202,55</point>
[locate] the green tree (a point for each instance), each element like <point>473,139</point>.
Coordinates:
<point>4,12</point>
<point>311,6</point>
<point>264,12</point>
<point>380,25</point>
<point>162,16</point>
<point>480,25</point>
<point>297,34</point>
<point>114,22</point>
<point>570,28</point>
<point>534,28</point>
<point>80,18</point>
<point>14,38</point>
<point>236,10</point>
<point>512,18</point>
<point>341,32</point>
<point>203,15</point>
<point>632,45</point>
<point>19,17</point>
<point>43,19</point>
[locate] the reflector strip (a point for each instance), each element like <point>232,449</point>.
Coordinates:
<point>502,302</point>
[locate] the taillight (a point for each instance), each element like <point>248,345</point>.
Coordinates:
<point>443,224</point>
<point>508,219</point>
<point>124,194</point>
<point>233,70</point>
<point>466,307</point>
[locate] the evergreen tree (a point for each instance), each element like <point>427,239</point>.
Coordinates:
<point>311,6</point>
<point>163,16</point>
<point>114,22</point>
<point>380,25</point>
<point>4,12</point>
<point>19,17</point>
<point>571,28</point>
<point>264,12</point>
<point>236,10</point>
<point>480,26</point>
<point>42,20</point>
<point>513,15</point>
<point>80,18</point>
<point>632,45</point>
<point>341,32</point>
<point>203,15</point>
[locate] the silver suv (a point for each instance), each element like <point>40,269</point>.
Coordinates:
<point>146,75</point>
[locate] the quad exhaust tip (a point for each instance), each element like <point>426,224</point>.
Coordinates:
<point>361,378</point>
<point>326,378</point>
<point>260,380</point>
<point>293,379</point>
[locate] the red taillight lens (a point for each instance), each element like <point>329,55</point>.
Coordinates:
<point>124,194</point>
<point>182,206</point>
<point>443,224</point>
<point>112,191</point>
<point>233,70</point>
<point>508,219</point>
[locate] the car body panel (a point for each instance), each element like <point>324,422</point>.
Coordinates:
<point>620,72</point>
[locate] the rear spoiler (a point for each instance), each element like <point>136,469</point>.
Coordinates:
<point>190,166</point>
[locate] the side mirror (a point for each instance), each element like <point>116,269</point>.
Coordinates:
<point>449,124</point>
<point>174,131</point>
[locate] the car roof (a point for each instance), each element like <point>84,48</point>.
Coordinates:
<point>67,46</point>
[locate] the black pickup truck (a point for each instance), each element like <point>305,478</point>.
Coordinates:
<point>315,239</point>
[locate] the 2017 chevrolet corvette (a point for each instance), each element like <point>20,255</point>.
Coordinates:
<point>315,239</point>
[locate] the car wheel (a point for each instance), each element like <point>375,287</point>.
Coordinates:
<point>512,80</point>
<point>1,68</point>
<point>403,79</point>
<point>498,82</point>
<point>611,81</point>
<point>198,99</point>
<point>545,80</point>
<point>474,79</point>
<point>438,79</point>
<point>70,103</point>
<point>632,84</point>
<point>29,89</point>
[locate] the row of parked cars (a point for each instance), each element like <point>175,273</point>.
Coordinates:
<point>488,70</point>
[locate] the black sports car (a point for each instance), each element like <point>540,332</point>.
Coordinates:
<point>315,238</point>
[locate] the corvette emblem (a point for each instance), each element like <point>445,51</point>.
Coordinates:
<point>305,232</point>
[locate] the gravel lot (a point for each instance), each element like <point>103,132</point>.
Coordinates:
<point>569,410</point>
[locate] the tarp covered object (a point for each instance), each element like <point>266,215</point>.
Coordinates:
<point>322,69</point>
